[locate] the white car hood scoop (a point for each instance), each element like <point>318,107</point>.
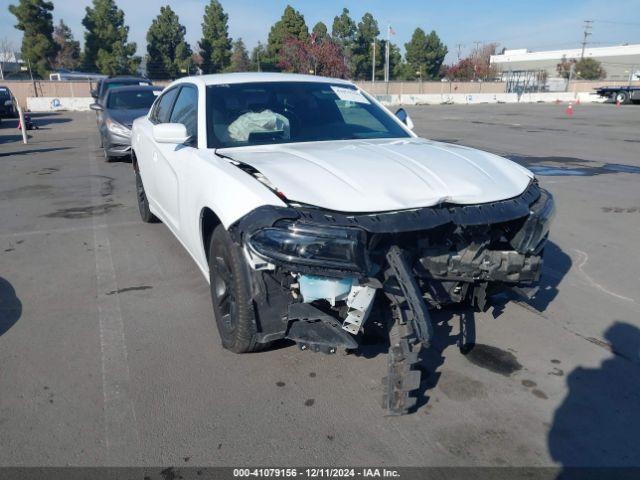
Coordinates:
<point>383,175</point>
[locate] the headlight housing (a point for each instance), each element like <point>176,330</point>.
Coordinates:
<point>313,246</point>
<point>117,128</point>
<point>530,238</point>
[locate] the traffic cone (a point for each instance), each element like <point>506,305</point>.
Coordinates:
<point>617,103</point>
<point>570,110</point>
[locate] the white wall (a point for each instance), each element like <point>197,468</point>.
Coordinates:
<point>478,98</point>
<point>52,104</point>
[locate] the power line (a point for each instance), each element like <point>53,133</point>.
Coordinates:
<point>619,23</point>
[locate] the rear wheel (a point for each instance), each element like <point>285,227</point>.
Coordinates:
<point>231,294</point>
<point>143,203</point>
<point>622,97</point>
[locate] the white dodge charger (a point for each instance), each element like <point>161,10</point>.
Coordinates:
<point>319,216</point>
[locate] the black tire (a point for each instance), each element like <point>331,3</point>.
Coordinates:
<point>231,294</point>
<point>143,203</point>
<point>107,158</point>
<point>622,97</point>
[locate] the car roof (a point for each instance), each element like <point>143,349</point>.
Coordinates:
<point>128,88</point>
<point>125,79</point>
<point>252,77</point>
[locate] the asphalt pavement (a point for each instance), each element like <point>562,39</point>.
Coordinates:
<point>109,354</point>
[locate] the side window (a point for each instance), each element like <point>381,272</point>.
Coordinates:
<point>185,110</point>
<point>162,108</point>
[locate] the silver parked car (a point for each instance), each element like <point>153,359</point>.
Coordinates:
<point>120,107</point>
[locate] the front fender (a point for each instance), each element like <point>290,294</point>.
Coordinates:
<point>215,183</point>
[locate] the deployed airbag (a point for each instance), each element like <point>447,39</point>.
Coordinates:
<point>259,122</point>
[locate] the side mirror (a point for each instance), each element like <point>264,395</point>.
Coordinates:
<point>404,117</point>
<point>94,93</point>
<point>96,106</point>
<point>175,133</point>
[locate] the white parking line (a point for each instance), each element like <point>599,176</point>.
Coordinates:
<point>93,226</point>
<point>121,431</point>
<point>592,282</point>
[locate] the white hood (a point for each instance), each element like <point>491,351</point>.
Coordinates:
<point>382,175</point>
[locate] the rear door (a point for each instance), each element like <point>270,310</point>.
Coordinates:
<point>172,161</point>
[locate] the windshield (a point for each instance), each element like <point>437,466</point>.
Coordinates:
<point>124,83</point>
<point>132,100</point>
<point>288,112</point>
<point>4,94</point>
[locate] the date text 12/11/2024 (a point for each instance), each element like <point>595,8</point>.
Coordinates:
<point>315,473</point>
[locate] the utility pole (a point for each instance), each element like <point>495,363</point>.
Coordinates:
<point>588,25</point>
<point>476,48</point>
<point>386,55</point>
<point>459,47</point>
<point>373,62</point>
<point>35,90</point>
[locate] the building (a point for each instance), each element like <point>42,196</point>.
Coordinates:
<point>621,62</point>
<point>10,64</point>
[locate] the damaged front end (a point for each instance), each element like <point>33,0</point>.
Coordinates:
<point>324,278</point>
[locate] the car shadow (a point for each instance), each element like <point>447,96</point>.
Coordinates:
<point>10,306</point>
<point>597,423</point>
<point>556,265</point>
<point>46,118</point>
<point>33,150</point>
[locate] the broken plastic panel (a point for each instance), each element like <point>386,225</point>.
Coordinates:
<point>359,301</point>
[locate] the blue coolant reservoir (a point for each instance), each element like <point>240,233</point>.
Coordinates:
<point>315,287</point>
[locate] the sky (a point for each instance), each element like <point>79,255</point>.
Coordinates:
<point>536,25</point>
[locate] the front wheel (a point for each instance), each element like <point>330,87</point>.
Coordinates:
<point>231,294</point>
<point>143,202</point>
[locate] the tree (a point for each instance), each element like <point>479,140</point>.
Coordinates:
<point>105,42</point>
<point>425,53</point>
<point>168,53</point>
<point>320,31</point>
<point>318,57</point>
<point>396,65</point>
<point>361,52</point>
<point>239,57</point>
<point>463,71</point>
<point>258,54</point>
<point>36,21</point>
<point>215,46</point>
<point>585,68</point>
<point>474,67</point>
<point>290,25</point>
<point>344,28</point>
<point>565,66</point>
<point>68,49</point>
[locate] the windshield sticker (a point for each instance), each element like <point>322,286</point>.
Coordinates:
<point>349,95</point>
